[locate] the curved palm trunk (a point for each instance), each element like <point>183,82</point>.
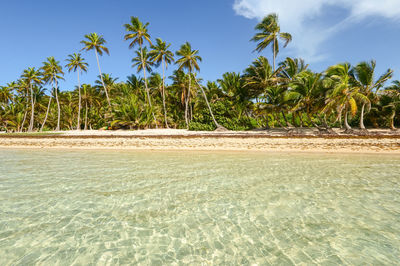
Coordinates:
<point>145,84</point>
<point>47,114</point>
<point>102,81</point>
<point>362,117</point>
<point>163,96</point>
<point>392,127</point>
<point>78,124</point>
<point>25,115</point>
<point>209,107</point>
<point>346,124</point>
<point>30,129</point>
<point>187,101</point>
<point>58,107</point>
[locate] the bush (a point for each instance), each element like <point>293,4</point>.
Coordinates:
<point>225,116</point>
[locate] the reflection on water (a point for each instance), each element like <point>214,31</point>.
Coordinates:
<point>158,208</point>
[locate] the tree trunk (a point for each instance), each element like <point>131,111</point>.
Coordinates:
<point>78,126</point>
<point>362,117</point>
<point>30,128</point>
<point>209,107</point>
<point>58,108</point>
<point>286,121</point>
<point>86,111</point>
<point>145,84</point>
<point>102,81</point>
<point>47,113</point>
<point>274,52</point>
<point>346,124</point>
<point>163,94</point>
<point>392,127</point>
<point>187,101</point>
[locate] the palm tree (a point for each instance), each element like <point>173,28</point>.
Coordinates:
<point>142,62</point>
<point>344,95</point>
<point>138,33</point>
<point>96,42</point>
<point>304,91</point>
<point>32,76</point>
<point>364,76</point>
<point>77,62</point>
<point>270,32</point>
<point>52,71</point>
<point>188,60</point>
<point>161,55</point>
<point>391,99</point>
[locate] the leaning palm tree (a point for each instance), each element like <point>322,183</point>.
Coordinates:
<point>364,76</point>
<point>344,94</point>
<point>161,55</point>
<point>270,32</point>
<point>52,72</point>
<point>32,76</point>
<point>77,62</point>
<point>189,60</point>
<point>96,42</point>
<point>138,34</point>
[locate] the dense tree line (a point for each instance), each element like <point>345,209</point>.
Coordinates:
<point>287,94</point>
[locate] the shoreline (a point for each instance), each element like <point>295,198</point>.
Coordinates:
<point>182,140</point>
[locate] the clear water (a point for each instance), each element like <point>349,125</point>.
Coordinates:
<point>121,207</point>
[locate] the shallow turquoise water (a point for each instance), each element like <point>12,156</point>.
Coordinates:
<point>122,207</point>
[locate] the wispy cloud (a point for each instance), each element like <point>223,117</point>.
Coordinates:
<point>305,19</point>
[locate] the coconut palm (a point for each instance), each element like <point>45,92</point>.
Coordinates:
<point>269,33</point>
<point>31,77</point>
<point>142,62</point>
<point>52,72</point>
<point>137,34</point>
<point>96,42</point>
<point>364,74</point>
<point>188,60</point>
<point>344,94</point>
<point>77,64</point>
<point>391,101</point>
<point>161,55</point>
<point>304,91</point>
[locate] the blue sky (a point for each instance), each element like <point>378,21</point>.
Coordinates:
<point>324,32</point>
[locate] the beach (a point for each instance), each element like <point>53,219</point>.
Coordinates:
<point>172,139</point>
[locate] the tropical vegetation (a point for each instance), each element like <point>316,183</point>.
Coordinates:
<point>287,94</point>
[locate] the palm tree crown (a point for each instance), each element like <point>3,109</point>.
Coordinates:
<point>269,33</point>
<point>137,32</point>
<point>75,62</point>
<point>188,58</point>
<point>96,42</point>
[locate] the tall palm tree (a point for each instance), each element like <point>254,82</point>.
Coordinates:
<point>189,59</point>
<point>142,62</point>
<point>96,42</point>
<point>77,64</point>
<point>52,72</point>
<point>32,77</point>
<point>270,32</point>
<point>161,55</point>
<point>364,74</point>
<point>138,33</point>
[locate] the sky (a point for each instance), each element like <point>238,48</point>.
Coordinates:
<point>325,32</point>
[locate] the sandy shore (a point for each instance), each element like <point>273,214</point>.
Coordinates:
<point>171,139</point>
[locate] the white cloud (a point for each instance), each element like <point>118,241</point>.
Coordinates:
<point>305,19</point>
